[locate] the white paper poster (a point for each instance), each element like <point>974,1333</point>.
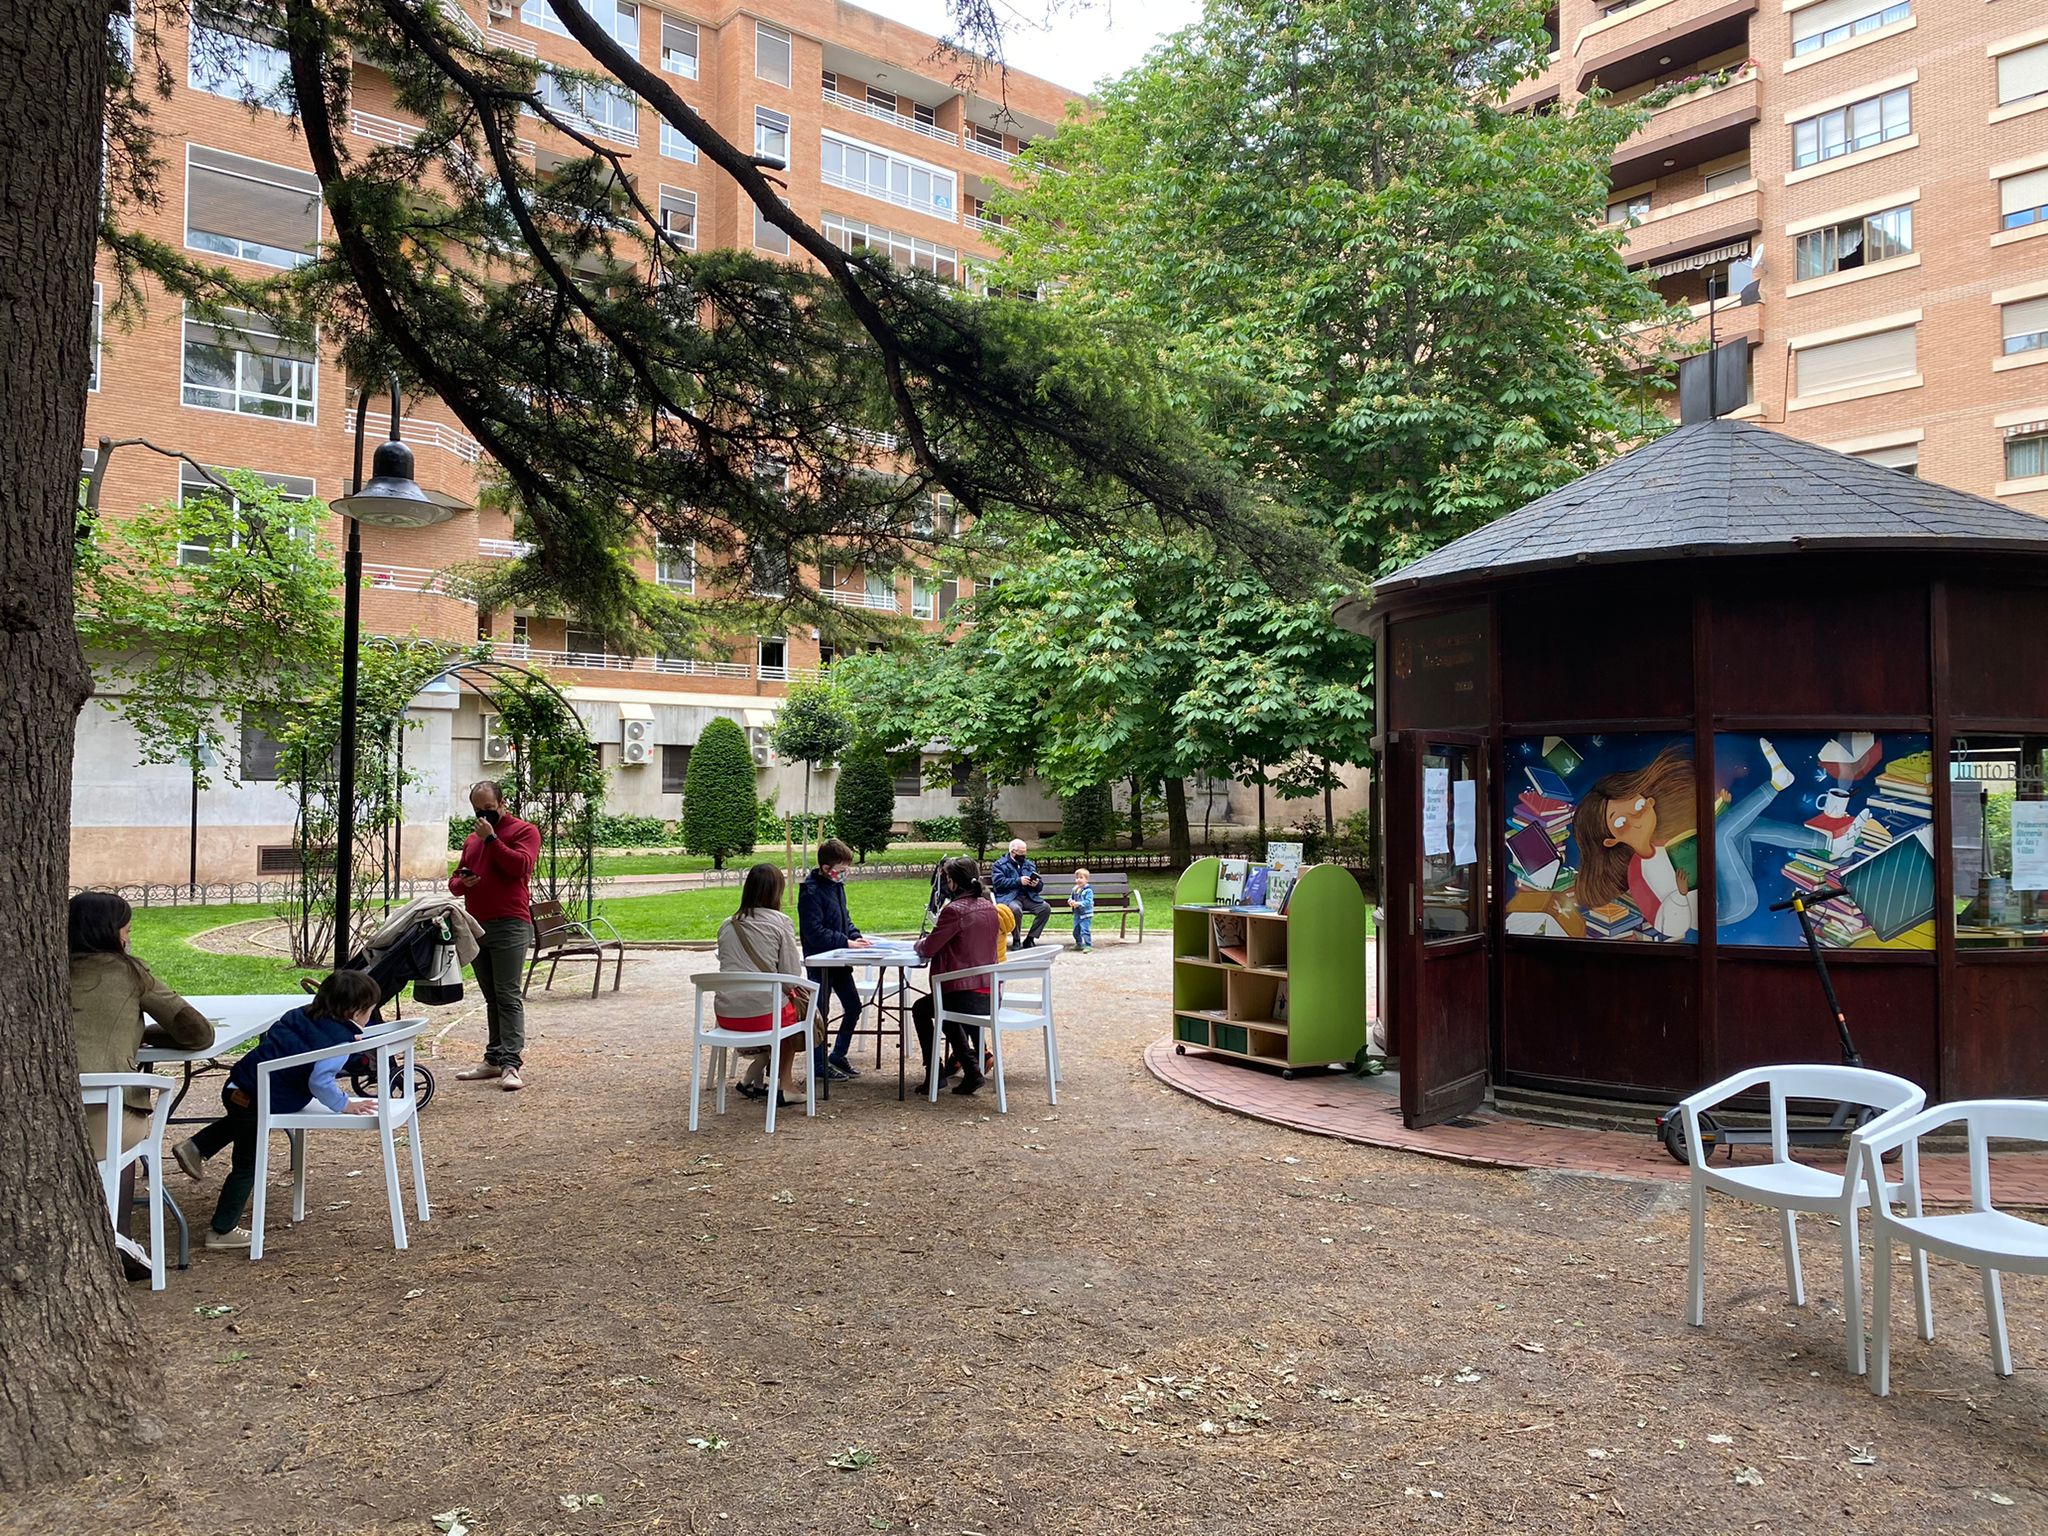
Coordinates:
<point>2030,845</point>
<point>1465,822</point>
<point>1436,812</point>
<point>1284,855</point>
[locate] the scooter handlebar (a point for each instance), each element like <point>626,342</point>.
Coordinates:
<point>1825,893</point>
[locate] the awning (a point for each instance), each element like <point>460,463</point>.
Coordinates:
<point>1698,259</point>
<point>1725,234</point>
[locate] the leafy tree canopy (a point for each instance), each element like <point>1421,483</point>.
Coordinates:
<point>864,801</point>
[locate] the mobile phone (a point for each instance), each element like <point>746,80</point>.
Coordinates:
<point>462,871</point>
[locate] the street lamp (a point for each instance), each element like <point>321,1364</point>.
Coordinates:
<point>391,499</point>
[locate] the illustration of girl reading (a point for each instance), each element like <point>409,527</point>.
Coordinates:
<point>1635,834</point>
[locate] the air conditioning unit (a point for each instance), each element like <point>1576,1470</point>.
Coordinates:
<point>636,743</point>
<point>497,745</point>
<point>764,753</point>
<point>501,10</point>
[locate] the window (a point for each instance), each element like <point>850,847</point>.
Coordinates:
<point>2023,75</point>
<point>769,237</point>
<point>2023,199</point>
<point>881,591</point>
<point>584,647</point>
<point>234,55</point>
<point>963,771</point>
<point>261,746</point>
<point>1734,176</point>
<point>921,113</point>
<point>2025,325</point>
<point>679,48</point>
<point>194,487</point>
<point>1857,126</point>
<point>885,100</point>
<point>771,134</point>
<point>249,209</point>
<point>770,569</point>
<point>679,216</point>
<point>771,53</point>
<point>1854,243</point>
<point>854,236</point>
<point>909,775</point>
<point>949,594</point>
<point>243,365</point>
<point>1862,360</point>
<point>2026,456</point>
<point>522,630</point>
<point>675,768</point>
<point>774,659</point>
<point>1629,210</point>
<point>924,596</point>
<point>992,137</point>
<point>892,178</point>
<point>1905,458</point>
<point>617,17</point>
<point>1995,786</point>
<point>676,568</point>
<point>675,146</point>
<point>1836,21</point>
<point>97,324</point>
<point>607,110</point>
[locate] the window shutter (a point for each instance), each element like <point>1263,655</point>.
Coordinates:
<point>1816,19</point>
<point>2025,318</point>
<point>1905,456</point>
<point>251,200</point>
<point>1863,360</point>
<point>2023,74</point>
<point>2025,191</point>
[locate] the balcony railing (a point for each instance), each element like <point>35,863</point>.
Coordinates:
<point>883,114</point>
<point>988,151</point>
<point>433,434</point>
<point>414,579</point>
<point>888,442</point>
<point>976,222</point>
<point>381,130</point>
<point>660,666</point>
<point>890,195</point>
<point>456,17</point>
<point>880,602</point>
<point>510,42</point>
<point>503,549</point>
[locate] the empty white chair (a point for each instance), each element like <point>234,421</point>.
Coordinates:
<point>108,1091</point>
<point>1983,1237</point>
<point>397,1108</point>
<point>1790,1187</point>
<point>1020,997</point>
<point>708,1034</point>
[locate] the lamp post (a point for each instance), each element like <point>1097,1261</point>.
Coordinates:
<point>391,499</point>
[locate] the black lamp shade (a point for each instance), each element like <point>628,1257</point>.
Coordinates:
<point>392,498</point>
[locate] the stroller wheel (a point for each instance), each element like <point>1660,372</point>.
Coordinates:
<point>363,1081</point>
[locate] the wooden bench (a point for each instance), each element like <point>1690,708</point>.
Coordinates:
<point>558,937</point>
<point>1114,894</point>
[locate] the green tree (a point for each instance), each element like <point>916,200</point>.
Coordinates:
<point>719,808</point>
<point>1403,310</point>
<point>1085,817</point>
<point>810,729</point>
<point>979,823</point>
<point>864,801</point>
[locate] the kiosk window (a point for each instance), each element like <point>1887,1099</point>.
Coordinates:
<point>1450,834</point>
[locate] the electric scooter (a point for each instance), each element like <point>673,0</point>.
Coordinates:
<point>1846,1119</point>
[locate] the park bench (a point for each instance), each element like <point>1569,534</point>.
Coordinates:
<point>1114,895</point>
<point>558,937</point>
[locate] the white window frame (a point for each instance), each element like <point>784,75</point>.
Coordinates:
<point>1862,226</point>
<point>674,60</point>
<point>924,598</point>
<point>766,39</point>
<point>769,125</point>
<point>1633,210</point>
<point>1843,118</point>
<point>680,196</point>
<point>620,18</point>
<point>911,251</point>
<point>2023,218</point>
<point>2036,440</point>
<point>1998,74</point>
<point>2030,341</point>
<point>666,555</point>
<point>98,332</point>
<point>189,482</point>
<point>311,363</point>
<point>769,237</point>
<point>267,93</point>
<point>1876,13</point>
<point>947,208</point>
<point>777,672</point>
<point>1728,176</point>
<point>573,99</point>
<point>675,145</point>
<point>250,250</point>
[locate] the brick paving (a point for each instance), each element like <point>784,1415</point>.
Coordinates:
<point>1368,1111</point>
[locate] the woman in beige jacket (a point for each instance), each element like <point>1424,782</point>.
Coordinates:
<point>760,937</point>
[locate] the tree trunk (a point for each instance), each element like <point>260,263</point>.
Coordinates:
<point>1137,813</point>
<point>805,842</point>
<point>1178,842</point>
<point>75,1376</point>
<point>1262,809</point>
<point>1329,813</point>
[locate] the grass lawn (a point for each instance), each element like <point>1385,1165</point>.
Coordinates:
<point>159,940</point>
<point>676,862</point>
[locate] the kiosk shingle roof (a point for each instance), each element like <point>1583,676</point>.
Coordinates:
<point>1725,488</point>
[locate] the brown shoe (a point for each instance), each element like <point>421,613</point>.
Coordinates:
<point>480,1074</point>
<point>511,1082</point>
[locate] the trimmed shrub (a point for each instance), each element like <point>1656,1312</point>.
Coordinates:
<point>936,829</point>
<point>864,802</point>
<point>720,812</point>
<point>1084,819</point>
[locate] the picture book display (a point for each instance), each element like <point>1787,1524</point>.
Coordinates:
<point>1230,878</point>
<point>1603,837</point>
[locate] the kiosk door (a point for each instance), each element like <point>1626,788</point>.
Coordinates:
<point>1443,921</point>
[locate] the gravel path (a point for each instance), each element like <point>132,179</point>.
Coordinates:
<point>1132,1314</point>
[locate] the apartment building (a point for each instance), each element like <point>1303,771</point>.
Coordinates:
<point>890,146</point>
<point>1887,161</point>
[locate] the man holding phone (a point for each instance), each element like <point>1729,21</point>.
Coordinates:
<point>491,880</point>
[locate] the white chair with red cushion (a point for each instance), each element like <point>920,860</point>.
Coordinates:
<point>709,1034</point>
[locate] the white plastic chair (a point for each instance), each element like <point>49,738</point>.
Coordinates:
<point>397,1107</point>
<point>1983,1237</point>
<point>723,1042</point>
<point>108,1091</point>
<point>1020,997</point>
<point>1790,1187</point>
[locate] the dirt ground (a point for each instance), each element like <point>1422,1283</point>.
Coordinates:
<point>1132,1314</point>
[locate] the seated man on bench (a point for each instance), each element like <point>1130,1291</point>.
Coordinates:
<point>1015,883</point>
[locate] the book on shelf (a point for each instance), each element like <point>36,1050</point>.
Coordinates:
<point>1280,1003</point>
<point>1257,880</point>
<point>1228,934</point>
<point>1280,887</point>
<point>1230,878</point>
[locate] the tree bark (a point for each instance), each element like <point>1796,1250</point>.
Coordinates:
<point>1137,813</point>
<point>1178,840</point>
<point>74,1376</point>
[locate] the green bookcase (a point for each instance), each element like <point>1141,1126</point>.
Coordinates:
<point>1315,950</point>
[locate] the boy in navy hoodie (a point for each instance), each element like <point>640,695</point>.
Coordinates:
<point>335,1017</point>
<point>822,923</point>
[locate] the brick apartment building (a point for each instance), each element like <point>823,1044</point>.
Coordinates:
<point>885,149</point>
<point>1888,161</point>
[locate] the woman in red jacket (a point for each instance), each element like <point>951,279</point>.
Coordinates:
<point>963,938</point>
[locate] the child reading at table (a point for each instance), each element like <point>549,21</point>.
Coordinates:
<point>335,1017</point>
<point>1082,905</point>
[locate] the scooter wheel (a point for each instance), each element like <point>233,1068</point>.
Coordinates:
<point>1673,1136</point>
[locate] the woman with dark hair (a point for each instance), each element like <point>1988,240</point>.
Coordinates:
<point>963,938</point>
<point>112,993</point>
<point>759,937</point>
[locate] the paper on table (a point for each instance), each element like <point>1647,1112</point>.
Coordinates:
<point>1464,818</point>
<point>2030,845</point>
<point>1436,812</point>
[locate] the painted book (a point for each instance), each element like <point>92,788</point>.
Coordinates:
<point>1230,881</point>
<point>1257,882</point>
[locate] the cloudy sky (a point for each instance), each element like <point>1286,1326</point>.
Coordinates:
<point>1077,47</point>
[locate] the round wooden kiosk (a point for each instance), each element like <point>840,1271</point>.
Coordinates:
<point>1619,723</point>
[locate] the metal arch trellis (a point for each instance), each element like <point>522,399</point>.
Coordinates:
<point>562,808</point>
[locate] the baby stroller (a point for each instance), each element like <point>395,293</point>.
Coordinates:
<point>423,958</point>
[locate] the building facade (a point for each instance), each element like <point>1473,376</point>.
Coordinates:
<point>1888,162</point>
<point>886,149</point>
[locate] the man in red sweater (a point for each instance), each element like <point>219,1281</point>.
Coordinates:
<point>491,880</point>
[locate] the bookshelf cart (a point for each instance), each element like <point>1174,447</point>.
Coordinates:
<point>1316,950</point>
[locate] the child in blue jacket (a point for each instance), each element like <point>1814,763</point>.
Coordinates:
<point>1082,905</point>
<point>335,1017</point>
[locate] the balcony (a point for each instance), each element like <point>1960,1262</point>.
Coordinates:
<point>974,146</point>
<point>1731,322</point>
<point>431,434</point>
<point>1697,224</point>
<point>982,226</point>
<point>841,597</point>
<point>411,578</point>
<point>882,114</point>
<point>1630,46</point>
<point>503,549</point>
<point>604,661</point>
<point>1702,125</point>
<point>1539,89</point>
